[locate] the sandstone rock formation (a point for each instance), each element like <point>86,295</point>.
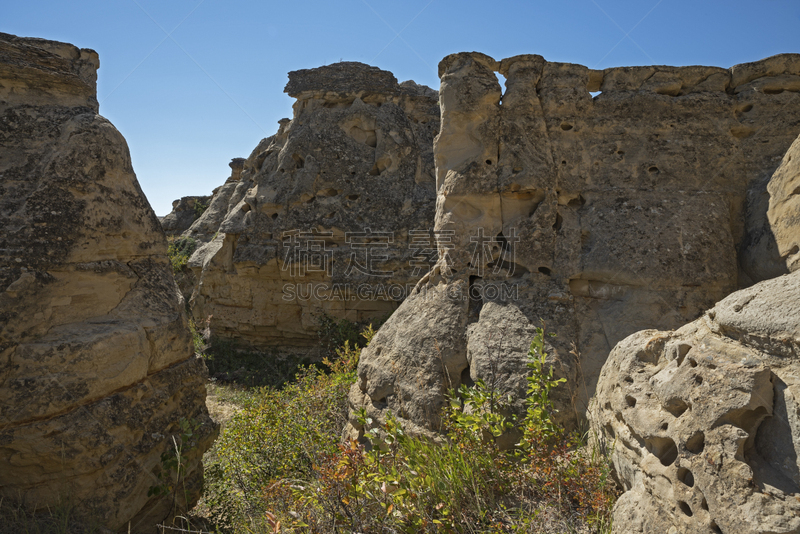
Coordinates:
<point>96,362</point>
<point>185,211</point>
<point>333,214</point>
<point>601,202</point>
<point>784,207</point>
<point>704,422</point>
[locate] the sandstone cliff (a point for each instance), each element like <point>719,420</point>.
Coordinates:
<point>599,202</point>
<point>96,362</point>
<point>333,214</point>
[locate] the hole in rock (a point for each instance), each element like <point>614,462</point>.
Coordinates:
<point>662,448</point>
<point>685,508</point>
<point>653,170</point>
<point>353,173</point>
<point>620,152</point>
<point>310,200</point>
<point>685,476</point>
<point>631,401</point>
<point>610,431</point>
<point>274,216</point>
<point>681,351</point>
<point>704,504</point>
<point>298,160</point>
<point>544,270</point>
<point>746,108</point>
<point>566,126</point>
<point>607,406</point>
<point>563,162</point>
<point>715,528</point>
<point>692,362</point>
<point>664,426</point>
<point>773,91</point>
<point>676,406</point>
<point>281,171</point>
<point>696,443</point>
<point>246,208</point>
<point>558,223</point>
<point>698,379</point>
<point>466,379</point>
<point>352,197</point>
<point>577,201</point>
<point>488,162</point>
<point>628,380</point>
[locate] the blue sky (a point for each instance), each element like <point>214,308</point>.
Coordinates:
<point>194,83</point>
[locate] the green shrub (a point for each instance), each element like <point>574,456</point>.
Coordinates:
<point>180,249</point>
<point>199,208</point>
<point>281,466</point>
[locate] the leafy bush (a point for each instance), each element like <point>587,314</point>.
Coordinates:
<point>199,208</point>
<point>282,468</point>
<point>180,250</point>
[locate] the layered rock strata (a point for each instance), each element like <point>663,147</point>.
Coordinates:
<point>599,202</point>
<point>97,366</point>
<point>331,215</point>
<point>703,423</point>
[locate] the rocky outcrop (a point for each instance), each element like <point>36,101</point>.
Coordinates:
<point>599,202</point>
<point>333,214</point>
<point>784,207</point>
<point>703,423</point>
<point>97,366</point>
<point>185,211</point>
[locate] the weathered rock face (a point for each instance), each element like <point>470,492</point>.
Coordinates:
<point>185,211</point>
<point>784,207</point>
<point>704,422</point>
<point>601,215</point>
<point>332,214</point>
<point>96,362</point>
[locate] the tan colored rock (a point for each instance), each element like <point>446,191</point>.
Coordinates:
<point>283,244</point>
<point>704,422</point>
<point>96,361</point>
<point>784,207</point>
<point>600,215</point>
<point>185,211</point>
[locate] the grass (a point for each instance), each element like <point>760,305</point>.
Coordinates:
<point>59,519</point>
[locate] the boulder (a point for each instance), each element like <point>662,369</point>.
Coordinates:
<point>97,366</point>
<point>703,423</point>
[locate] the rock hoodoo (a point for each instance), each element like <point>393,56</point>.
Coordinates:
<point>601,202</point>
<point>97,366</point>
<point>333,214</point>
<point>705,421</point>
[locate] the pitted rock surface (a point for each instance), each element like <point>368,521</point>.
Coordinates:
<point>600,202</point>
<point>287,236</point>
<point>703,423</point>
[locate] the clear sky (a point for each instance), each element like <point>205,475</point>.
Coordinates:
<point>194,83</point>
